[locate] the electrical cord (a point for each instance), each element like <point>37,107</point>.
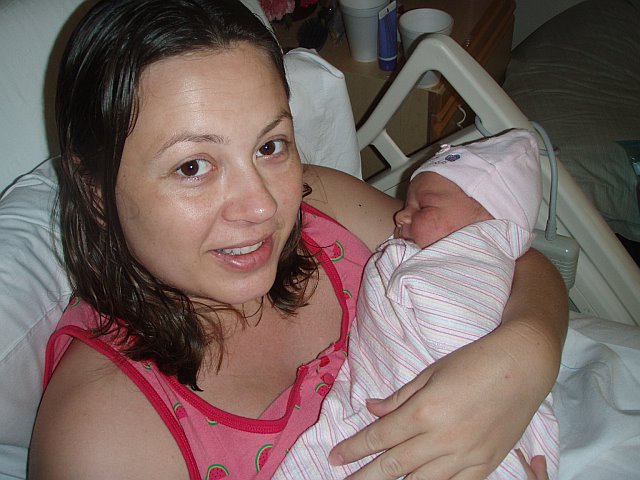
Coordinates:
<point>464,116</point>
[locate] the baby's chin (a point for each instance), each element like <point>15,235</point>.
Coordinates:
<point>421,243</point>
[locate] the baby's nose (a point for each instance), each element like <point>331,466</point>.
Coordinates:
<point>402,220</point>
<point>403,217</point>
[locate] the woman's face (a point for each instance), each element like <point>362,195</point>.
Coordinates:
<point>210,181</point>
<point>435,207</point>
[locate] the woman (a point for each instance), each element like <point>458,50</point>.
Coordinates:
<point>224,300</point>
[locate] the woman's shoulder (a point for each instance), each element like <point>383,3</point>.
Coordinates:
<point>361,208</point>
<point>91,414</point>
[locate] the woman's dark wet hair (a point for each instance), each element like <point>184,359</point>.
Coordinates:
<point>96,106</point>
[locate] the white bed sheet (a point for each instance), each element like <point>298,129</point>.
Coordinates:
<point>597,401</point>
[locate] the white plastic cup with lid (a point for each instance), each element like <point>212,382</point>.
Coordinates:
<point>360,19</point>
<point>415,24</point>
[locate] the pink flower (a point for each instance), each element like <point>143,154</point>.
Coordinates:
<point>276,9</point>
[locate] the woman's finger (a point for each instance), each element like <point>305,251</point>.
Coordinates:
<point>536,469</point>
<point>539,467</point>
<point>381,407</point>
<point>398,461</point>
<point>403,462</point>
<point>385,432</point>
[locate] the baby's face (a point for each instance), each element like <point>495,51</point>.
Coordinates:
<point>435,207</point>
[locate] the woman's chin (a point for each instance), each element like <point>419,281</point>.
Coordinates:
<point>240,295</point>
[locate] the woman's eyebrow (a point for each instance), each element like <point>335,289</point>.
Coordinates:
<point>191,137</point>
<point>283,115</point>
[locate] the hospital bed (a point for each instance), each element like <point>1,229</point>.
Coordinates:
<point>577,75</point>
<point>597,392</point>
<point>597,396</point>
<point>607,283</point>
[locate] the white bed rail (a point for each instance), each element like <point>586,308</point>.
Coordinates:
<point>608,281</point>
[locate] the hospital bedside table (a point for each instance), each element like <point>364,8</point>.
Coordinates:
<point>483,27</point>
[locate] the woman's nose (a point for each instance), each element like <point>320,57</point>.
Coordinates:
<point>251,200</point>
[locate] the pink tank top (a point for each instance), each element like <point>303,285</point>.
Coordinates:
<point>216,444</point>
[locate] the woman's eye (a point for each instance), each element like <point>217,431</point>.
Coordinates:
<point>272,147</point>
<point>194,168</point>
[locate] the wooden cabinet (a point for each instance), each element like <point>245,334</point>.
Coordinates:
<point>486,32</point>
<point>483,27</point>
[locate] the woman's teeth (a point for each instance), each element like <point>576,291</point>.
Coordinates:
<point>241,250</point>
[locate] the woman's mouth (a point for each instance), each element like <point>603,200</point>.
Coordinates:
<point>241,250</point>
<point>247,257</point>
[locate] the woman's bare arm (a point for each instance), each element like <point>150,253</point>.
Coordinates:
<point>538,309</point>
<point>364,210</point>
<point>93,422</point>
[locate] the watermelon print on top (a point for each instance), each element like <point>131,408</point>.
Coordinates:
<point>217,471</point>
<point>262,456</point>
<point>337,252</point>
<point>216,444</point>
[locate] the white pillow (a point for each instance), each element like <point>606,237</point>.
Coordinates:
<point>322,117</point>
<point>35,290</point>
